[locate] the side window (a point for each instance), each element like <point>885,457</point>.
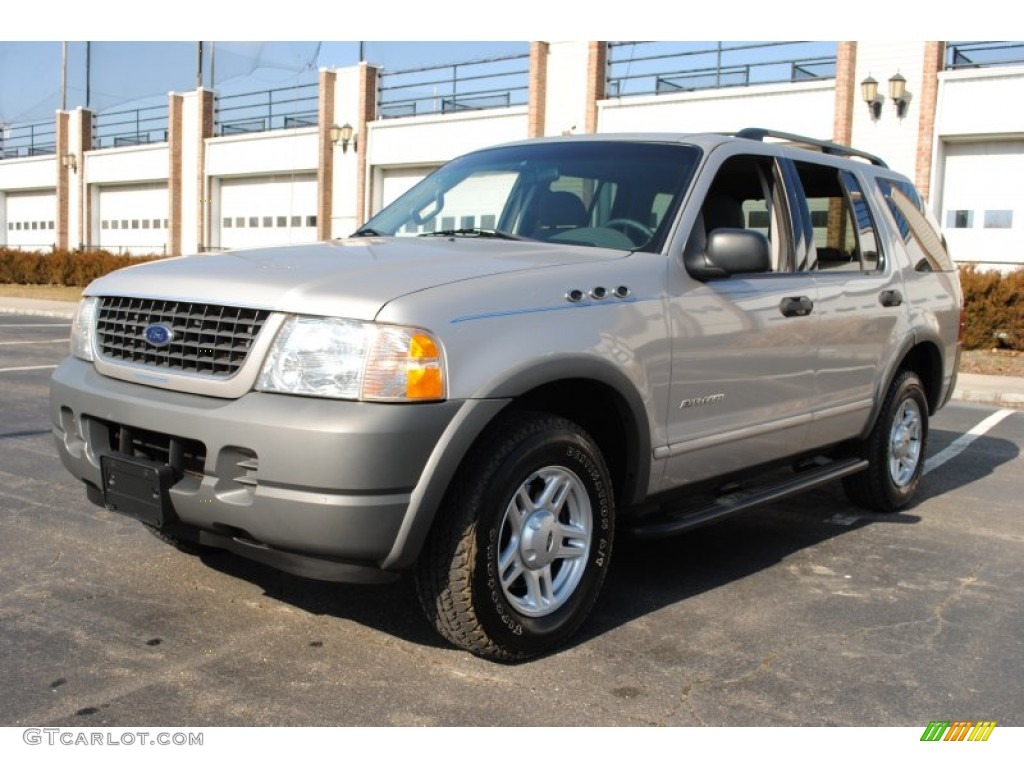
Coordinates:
<point>742,197</point>
<point>844,232</point>
<point>926,248</point>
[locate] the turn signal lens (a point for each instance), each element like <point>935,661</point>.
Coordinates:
<point>405,364</point>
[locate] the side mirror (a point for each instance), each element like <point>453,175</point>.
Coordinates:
<point>729,252</point>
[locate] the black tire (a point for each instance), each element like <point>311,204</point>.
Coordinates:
<point>506,577</point>
<point>895,449</point>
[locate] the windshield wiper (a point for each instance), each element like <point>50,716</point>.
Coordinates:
<point>367,232</point>
<point>473,232</point>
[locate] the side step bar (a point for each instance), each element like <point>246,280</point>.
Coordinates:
<point>669,525</point>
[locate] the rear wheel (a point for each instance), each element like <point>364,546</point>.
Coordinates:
<point>895,449</point>
<point>520,550</point>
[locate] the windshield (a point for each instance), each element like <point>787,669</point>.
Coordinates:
<point>608,194</point>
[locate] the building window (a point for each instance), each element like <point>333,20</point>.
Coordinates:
<point>282,221</point>
<point>35,225</point>
<point>124,223</point>
<point>239,222</point>
<point>113,224</point>
<point>296,221</point>
<point>49,225</point>
<point>156,224</point>
<point>998,219</point>
<point>145,223</point>
<point>17,226</point>
<point>227,222</point>
<point>135,223</point>
<point>311,221</point>
<point>959,219</point>
<point>268,221</point>
<point>165,223</point>
<point>487,221</point>
<point>254,221</point>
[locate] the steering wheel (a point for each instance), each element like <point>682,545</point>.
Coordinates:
<point>631,227</point>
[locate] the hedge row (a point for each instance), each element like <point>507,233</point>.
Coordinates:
<point>994,301</point>
<point>995,308</point>
<point>74,268</point>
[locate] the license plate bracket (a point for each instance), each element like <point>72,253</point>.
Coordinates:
<point>138,488</point>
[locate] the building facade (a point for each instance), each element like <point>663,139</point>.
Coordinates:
<point>310,162</point>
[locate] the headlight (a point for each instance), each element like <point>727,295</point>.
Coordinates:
<point>83,329</point>
<point>346,359</point>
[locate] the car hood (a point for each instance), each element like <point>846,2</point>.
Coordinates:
<point>344,278</point>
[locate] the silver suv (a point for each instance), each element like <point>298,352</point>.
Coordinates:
<point>540,344</point>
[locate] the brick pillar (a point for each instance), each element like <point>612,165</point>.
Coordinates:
<point>325,155</point>
<point>83,118</point>
<point>366,112</point>
<point>205,129</point>
<point>538,89</point>
<point>597,81</point>
<point>63,180</point>
<point>934,55</point>
<point>174,143</point>
<point>846,92</point>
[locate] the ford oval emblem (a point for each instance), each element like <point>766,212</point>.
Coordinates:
<point>158,335</point>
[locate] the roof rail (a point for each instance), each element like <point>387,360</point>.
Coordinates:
<point>829,148</point>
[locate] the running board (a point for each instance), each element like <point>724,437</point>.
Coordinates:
<point>669,525</point>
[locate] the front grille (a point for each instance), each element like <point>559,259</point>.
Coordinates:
<point>206,339</point>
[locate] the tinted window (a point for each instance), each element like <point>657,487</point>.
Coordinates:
<point>925,246</point>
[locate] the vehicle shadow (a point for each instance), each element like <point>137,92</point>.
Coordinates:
<point>646,575</point>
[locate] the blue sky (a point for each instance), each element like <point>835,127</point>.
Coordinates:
<point>129,73</point>
<point>407,35</point>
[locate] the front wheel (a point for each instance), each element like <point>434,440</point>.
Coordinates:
<point>520,549</point>
<point>895,449</point>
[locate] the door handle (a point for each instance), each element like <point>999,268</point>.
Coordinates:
<point>891,298</point>
<point>796,306</point>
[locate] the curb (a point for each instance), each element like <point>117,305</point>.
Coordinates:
<point>1001,399</point>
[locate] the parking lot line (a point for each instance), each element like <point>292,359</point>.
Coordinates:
<point>28,368</point>
<point>45,341</point>
<point>34,325</point>
<point>955,448</point>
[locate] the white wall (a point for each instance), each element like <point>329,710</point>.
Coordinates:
<point>803,108</point>
<point>565,104</point>
<point>28,173</point>
<point>252,154</point>
<point>436,139</point>
<point>892,139</point>
<point>124,165</point>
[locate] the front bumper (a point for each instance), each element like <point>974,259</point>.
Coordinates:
<point>272,475</point>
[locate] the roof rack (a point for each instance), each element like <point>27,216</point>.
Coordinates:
<point>759,134</point>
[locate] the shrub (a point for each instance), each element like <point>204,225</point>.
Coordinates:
<point>994,305</point>
<point>61,267</point>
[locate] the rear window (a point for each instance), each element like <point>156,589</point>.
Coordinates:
<point>924,244</point>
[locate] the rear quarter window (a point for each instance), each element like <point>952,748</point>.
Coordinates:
<point>924,244</point>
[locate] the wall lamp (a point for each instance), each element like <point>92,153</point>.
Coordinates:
<point>344,134</point>
<point>898,94</point>
<point>70,160</point>
<point>869,91</point>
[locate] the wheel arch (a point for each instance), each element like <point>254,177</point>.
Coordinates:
<point>587,391</point>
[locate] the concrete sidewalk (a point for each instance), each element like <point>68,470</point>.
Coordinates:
<point>1002,391</point>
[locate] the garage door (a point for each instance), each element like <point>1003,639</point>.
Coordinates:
<point>983,202</point>
<point>395,182</point>
<point>132,218</point>
<point>267,210</point>
<point>30,219</point>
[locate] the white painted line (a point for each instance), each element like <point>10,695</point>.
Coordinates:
<point>47,341</point>
<point>29,368</point>
<point>958,446</point>
<point>34,325</point>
